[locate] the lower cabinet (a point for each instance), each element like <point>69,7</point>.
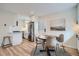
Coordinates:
<point>17,38</point>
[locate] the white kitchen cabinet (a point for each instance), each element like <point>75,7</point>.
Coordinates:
<point>17,37</point>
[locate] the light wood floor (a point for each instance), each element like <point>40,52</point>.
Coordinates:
<point>71,51</point>
<point>24,49</point>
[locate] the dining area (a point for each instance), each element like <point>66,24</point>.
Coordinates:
<point>47,45</point>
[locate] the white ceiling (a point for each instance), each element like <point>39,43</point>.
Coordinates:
<point>39,9</point>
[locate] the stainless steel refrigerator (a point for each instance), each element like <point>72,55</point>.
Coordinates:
<point>31,32</point>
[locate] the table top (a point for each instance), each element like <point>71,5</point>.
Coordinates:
<point>42,37</point>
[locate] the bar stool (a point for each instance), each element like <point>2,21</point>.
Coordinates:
<point>9,40</point>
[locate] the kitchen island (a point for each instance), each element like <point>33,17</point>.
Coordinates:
<point>16,37</point>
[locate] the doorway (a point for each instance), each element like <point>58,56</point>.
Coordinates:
<point>31,32</point>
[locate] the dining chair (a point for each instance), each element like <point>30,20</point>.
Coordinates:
<point>38,43</point>
<point>60,40</point>
<point>51,43</point>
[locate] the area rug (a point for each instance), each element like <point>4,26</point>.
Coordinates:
<point>58,53</point>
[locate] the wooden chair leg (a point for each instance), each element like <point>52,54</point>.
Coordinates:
<point>47,51</point>
<point>10,42</point>
<point>63,50</point>
<point>3,42</point>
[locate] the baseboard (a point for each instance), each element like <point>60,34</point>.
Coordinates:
<point>65,45</point>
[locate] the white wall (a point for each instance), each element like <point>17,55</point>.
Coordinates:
<point>70,17</point>
<point>8,19</point>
